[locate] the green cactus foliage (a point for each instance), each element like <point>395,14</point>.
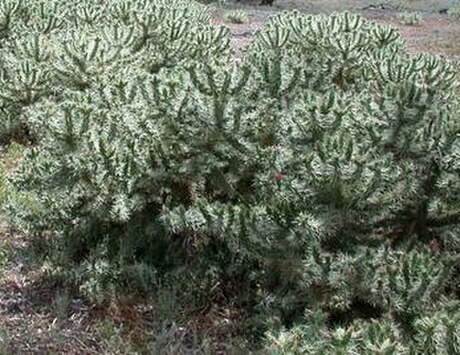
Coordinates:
<point>319,173</point>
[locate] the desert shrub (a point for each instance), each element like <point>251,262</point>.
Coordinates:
<point>5,342</point>
<point>222,3</point>
<point>51,47</point>
<point>320,173</point>
<point>3,258</point>
<point>436,331</point>
<point>236,16</point>
<point>454,12</point>
<point>410,18</point>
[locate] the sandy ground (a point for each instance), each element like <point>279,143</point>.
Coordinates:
<point>437,33</point>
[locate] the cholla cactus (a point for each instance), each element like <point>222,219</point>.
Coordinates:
<point>324,166</point>
<point>382,337</point>
<point>8,9</point>
<point>49,46</point>
<point>410,18</point>
<point>236,16</point>
<point>454,12</point>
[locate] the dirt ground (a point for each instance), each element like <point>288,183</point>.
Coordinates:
<point>437,33</point>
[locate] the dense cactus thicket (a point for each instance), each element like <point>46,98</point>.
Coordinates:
<point>314,184</point>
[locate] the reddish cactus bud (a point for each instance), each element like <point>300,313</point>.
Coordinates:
<point>435,246</point>
<point>279,177</point>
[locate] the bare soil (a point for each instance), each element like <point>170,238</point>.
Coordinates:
<point>437,33</point>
